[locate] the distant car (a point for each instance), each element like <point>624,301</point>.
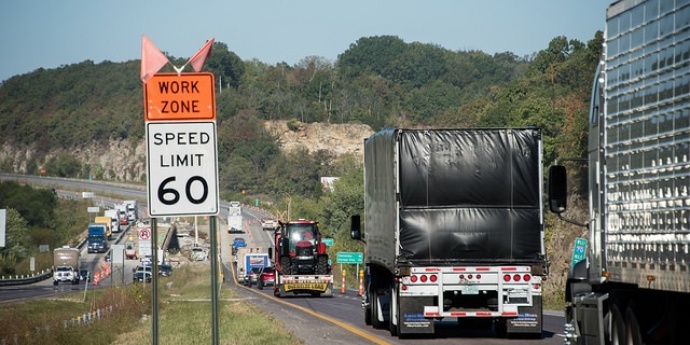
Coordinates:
<point>85,275</point>
<point>267,277</point>
<point>253,276</point>
<point>146,261</point>
<point>165,270</point>
<point>143,274</point>
<point>269,224</point>
<point>130,251</point>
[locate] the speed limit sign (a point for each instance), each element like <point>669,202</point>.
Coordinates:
<point>182,168</point>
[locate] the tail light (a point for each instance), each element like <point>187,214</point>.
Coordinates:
<point>423,278</point>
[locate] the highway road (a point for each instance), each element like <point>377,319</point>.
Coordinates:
<point>340,319</point>
<point>336,320</point>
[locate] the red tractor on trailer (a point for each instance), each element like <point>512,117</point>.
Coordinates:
<point>301,260</point>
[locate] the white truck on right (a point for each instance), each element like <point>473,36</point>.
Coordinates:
<point>633,286</point>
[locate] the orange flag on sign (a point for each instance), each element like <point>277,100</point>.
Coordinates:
<point>197,61</point>
<point>152,60</point>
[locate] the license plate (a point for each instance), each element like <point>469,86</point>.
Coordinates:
<point>469,290</point>
<point>306,286</point>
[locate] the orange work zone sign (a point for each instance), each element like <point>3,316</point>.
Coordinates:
<point>172,97</point>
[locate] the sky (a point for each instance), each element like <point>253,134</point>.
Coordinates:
<point>52,33</point>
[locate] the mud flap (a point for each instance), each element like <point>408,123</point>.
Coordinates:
<point>412,318</point>
<point>529,319</point>
<point>329,291</point>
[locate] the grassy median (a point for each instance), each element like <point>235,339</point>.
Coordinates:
<point>184,316</point>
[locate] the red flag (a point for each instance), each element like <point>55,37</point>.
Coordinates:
<point>152,60</point>
<point>197,61</point>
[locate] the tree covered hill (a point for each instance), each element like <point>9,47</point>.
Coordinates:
<point>379,81</point>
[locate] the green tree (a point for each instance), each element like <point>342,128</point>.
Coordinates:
<point>17,241</point>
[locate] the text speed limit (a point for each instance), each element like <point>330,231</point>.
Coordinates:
<point>182,168</point>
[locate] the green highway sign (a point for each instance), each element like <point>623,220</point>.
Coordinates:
<point>579,250</point>
<point>350,257</point>
<point>328,241</point>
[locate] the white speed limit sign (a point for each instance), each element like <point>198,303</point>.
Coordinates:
<point>182,168</point>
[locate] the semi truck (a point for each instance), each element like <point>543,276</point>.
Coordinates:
<point>122,214</point>
<point>235,218</point>
<point>108,225</point>
<point>453,229</point>
<point>132,210</point>
<point>114,216</point>
<point>633,286</point>
<point>97,240</point>
<point>301,261</point>
<point>66,265</point>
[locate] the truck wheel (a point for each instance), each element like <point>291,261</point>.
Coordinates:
<point>617,331</point>
<point>322,265</point>
<point>375,312</point>
<point>632,328</point>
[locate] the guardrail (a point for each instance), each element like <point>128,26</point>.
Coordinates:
<point>35,278</point>
<point>23,280</point>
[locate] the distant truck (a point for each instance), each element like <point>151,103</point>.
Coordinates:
<point>66,265</point>
<point>301,261</point>
<point>244,257</point>
<point>97,240</point>
<point>254,260</point>
<point>237,243</point>
<point>122,214</point>
<point>108,222</point>
<point>235,225</point>
<point>454,229</point>
<point>132,210</point>
<point>114,219</point>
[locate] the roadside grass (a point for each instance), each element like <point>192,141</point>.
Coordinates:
<point>184,316</point>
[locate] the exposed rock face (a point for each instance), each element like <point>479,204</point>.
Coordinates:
<point>123,160</point>
<point>336,138</point>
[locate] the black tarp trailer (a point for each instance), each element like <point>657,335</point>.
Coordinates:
<point>454,228</point>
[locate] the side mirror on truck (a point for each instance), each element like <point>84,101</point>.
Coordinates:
<point>355,227</point>
<point>558,189</point>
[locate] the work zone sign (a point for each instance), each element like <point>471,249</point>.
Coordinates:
<point>184,97</point>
